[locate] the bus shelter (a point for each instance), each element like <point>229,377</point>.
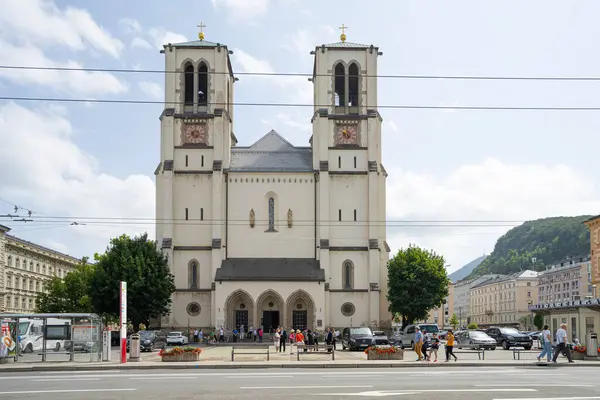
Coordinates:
<point>50,337</point>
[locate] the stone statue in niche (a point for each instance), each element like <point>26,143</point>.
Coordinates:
<point>252,218</point>
<point>289,218</point>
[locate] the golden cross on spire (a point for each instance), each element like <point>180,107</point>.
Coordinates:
<point>343,35</point>
<point>201,34</point>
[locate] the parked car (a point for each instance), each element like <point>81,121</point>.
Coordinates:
<point>380,338</point>
<point>510,337</point>
<point>175,338</point>
<point>406,337</point>
<point>357,338</point>
<point>443,335</point>
<point>150,340</point>
<point>474,339</point>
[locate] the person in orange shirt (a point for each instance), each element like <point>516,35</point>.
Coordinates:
<point>450,346</point>
<point>299,337</point>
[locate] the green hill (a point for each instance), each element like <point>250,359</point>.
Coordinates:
<point>536,244</point>
<point>466,269</point>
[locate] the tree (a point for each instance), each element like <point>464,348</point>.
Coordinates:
<point>70,294</point>
<point>417,283</point>
<point>472,325</point>
<point>454,321</point>
<point>538,321</point>
<point>150,284</point>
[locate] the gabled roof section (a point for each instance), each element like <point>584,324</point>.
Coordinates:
<point>272,141</point>
<point>271,153</point>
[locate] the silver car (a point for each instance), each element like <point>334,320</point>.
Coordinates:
<point>472,339</point>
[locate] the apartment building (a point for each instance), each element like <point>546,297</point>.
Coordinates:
<point>462,296</point>
<point>566,281</point>
<point>504,299</point>
<point>594,226</point>
<point>442,315</point>
<point>24,268</point>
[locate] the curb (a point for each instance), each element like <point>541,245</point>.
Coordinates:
<point>169,366</point>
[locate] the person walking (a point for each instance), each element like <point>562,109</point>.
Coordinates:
<point>418,342</point>
<point>435,345</point>
<point>282,339</point>
<point>561,344</point>
<point>276,339</point>
<point>546,342</point>
<point>450,346</point>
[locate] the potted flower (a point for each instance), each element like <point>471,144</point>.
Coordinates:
<point>578,352</point>
<point>176,354</point>
<point>384,353</point>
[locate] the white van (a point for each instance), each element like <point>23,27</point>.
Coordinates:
<point>31,335</point>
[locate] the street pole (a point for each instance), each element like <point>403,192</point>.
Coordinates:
<point>123,298</point>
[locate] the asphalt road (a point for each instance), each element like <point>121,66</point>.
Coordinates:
<point>542,383</point>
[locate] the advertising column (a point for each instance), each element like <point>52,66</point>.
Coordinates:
<point>123,322</point>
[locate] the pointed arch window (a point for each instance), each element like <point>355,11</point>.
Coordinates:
<point>271,214</point>
<point>193,274</point>
<point>188,86</point>
<point>339,85</point>
<point>202,84</point>
<point>353,94</point>
<point>348,274</point>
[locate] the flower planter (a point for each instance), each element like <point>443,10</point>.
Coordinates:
<point>182,357</point>
<point>577,355</point>
<point>398,355</point>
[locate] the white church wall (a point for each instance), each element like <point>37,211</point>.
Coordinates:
<point>348,193</point>
<point>343,160</point>
<point>197,160</point>
<point>193,192</point>
<point>181,319</point>
<point>180,264</point>
<point>360,301</point>
<point>360,260</point>
<point>291,191</point>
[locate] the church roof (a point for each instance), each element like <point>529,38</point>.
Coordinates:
<point>348,45</point>
<point>198,43</point>
<point>271,153</point>
<point>270,269</point>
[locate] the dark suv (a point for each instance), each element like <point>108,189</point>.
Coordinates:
<point>510,337</point>
<point>357,338</point>
<point>150,340</point>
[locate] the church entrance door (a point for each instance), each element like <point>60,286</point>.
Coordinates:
<point>270,320</point>
<point>300,319</point>
<point>241,318</point>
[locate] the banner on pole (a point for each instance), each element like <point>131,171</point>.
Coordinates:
<point>123,315</point>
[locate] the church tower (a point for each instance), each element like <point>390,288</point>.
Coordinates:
<point>195,148</point>
<point>346,146</point>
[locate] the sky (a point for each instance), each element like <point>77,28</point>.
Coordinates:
<point>70,161</point>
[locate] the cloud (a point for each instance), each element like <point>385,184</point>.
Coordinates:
<point>71,82</point>
<point>243,10</point>
<point>152,89</point>
<point>304,40</point>
<point>392,125</point>
<point>130,26</point>
<point>66,181</point>
<point>490,191</point>
<point>41,22</point>
<point>162,36</point>
<point>141,43</point>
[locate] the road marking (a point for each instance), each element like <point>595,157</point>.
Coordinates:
<point>258,377</point>
<point>305,387</point>
<point>74,379</point>
<point>164,378</point>
<point>418,391</point>
<point>554,398</point>
<point>79,372</point>
<point>535,385</point>
<point>66,391</point>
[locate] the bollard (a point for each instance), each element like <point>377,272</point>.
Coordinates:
<point>134,347</point>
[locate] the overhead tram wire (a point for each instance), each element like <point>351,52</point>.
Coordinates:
<point>289,105</point>
<point>308,75</point>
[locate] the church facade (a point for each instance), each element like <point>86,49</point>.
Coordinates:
<point>273,234</point>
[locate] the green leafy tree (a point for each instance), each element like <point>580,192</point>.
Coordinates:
<point>417,283</point>
<point>454,321</point>
<point>150,284</point>
<point>472,325</point>
<point>70,294</point>
<point>538,321</point>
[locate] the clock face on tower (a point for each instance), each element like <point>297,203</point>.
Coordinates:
<point>346,134</point>
<point>194,133</point>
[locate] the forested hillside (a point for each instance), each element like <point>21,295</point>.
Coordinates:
<point>546,240</point>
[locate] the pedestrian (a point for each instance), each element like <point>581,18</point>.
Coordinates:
<point>561,344</point>
<point>196,336</point>
<point>276,338</point>
<point>336,336</point>
<point>450,346</point>
<point>418,343</point>
<point>329,339</point>
<point>426,344</point>
<point>221,335</point>
<point>260,335</point>
<point>235,335</point>
<point>282,339</point>
<point>546,342</point>
<point>435,345</point>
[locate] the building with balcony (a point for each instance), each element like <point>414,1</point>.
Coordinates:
<point>504,300</point>
<point>24,268</point>
<point>462,296</point>
<point>594,225</point>
<point>565,281</point>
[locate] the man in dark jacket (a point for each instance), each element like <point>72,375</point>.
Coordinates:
<point>283,336</point>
